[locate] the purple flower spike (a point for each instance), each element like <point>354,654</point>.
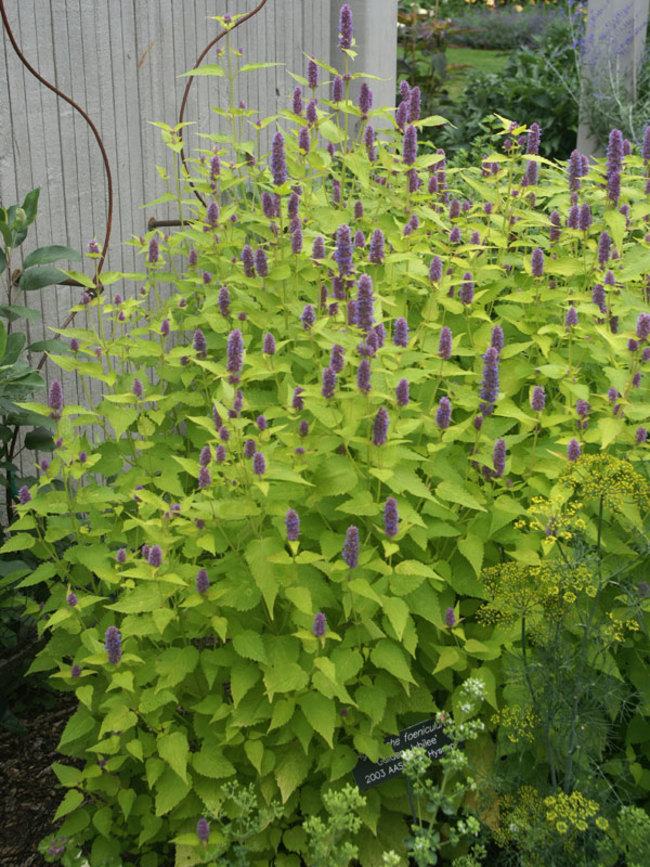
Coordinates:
<point>615,152</point>
<point>573,450</point>
<point>199,343</point>
<point>369,142</point>
<point>351,547</point>
<point>248,260</point>
<point>376,252</point>
<point>153,253</point>
<point>443,415</point>
<point>202,584</point>
<point>604,249</point>
<point>259,464</point>
<point>556,227</point>
<point>435,270</point>
<point>303,428</point>
<point>268,205</point>
<point>308,317</point>
<point>55,400</point>
<point>641,435</point>
<point>497,339</point>
<point>489,390</point>
<point>303,139</point>
<point>343,254</point>
<point>401,333</point>
<point>24,495</point>
<point>337,89</point>
<point>203,831</point>
<point>466,292</point>
<point>538,399</point>
<point>365,100</point>
<point>402,392</point>
<point>215,167</point>
<point>328,383</point>
<point>363,376</point>
<point>571,318</point>
<point>337,358</point>
<point>311,115</point>
<point>212,214</point>
<point>320,625</point>
<point>345,27</point>
<point>584,218</point>
<point>75,672</point>
<point>297,401</point>
<point>235,353</point>
<point>205,457</point>
<point>380,331</point>
<point>312,73</point>
<point>155,556</point>
<point>165,328</point>
<point>261,264</point>
<point>445,343</point>
<point>537,262</point>
<point>113,644</point>
<point>499,458</point>
<point>455,236</point>
<point>532,142</point>
<point>410,145</point>
<point>598,297</point>
<point>614,187</point>
<point>391,517</point>
<point>414,104</point>
<point>120,557</point>
<point>249,449</point>
<point>278,162</point>
<point>380,427</point>
<point>292,523</point>
<point>296,103</point>
<point>643,326</point>
<point>318,248</point>
<point>450,618</point>
<point>269,344</point>
<point>72,600</point>
<point>364,299</point>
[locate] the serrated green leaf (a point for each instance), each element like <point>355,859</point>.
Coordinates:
<point>397,612</point>
<point>249,645</point>
<point>389,656</point>
<point>174,749</point>
<point>320,713</point>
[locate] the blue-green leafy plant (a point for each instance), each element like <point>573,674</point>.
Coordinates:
<point>22,431</point>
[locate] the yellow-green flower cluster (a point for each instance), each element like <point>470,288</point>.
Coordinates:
<point>613,479</point>
<point>517,590</point>
<point>555,518</point>
<point>517,724</point>
<point>570,813</point>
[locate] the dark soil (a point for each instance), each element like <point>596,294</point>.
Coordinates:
<point>28,789</point>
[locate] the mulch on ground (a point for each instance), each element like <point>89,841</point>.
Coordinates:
<point>28,789</point>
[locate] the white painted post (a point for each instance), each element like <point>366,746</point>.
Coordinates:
<point>614,45</point>
<point>375,31</point>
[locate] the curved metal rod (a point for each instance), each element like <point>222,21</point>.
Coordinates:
<point>190,82</point>
<point>54,89</point>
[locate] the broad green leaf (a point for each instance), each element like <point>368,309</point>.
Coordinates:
<point>290,771</point>
<point>397,612</point>
<point>72,799</point>
<point>251,67</point>
<point>45,255</point>
<point>320,713</point>
<point>389,656</point>
<point>471,547</point>
<point>611,429</point>
<point>255,752</point>
<point>454,492</point>
<point>206,69</point>
<point>170,791</point>
<point>286,678</point>
<point>174,749</point>
<point>249,645</point>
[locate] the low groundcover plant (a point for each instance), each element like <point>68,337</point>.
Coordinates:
<point>377,386</point>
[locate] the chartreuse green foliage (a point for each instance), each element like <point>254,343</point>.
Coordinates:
<point>294,535</point>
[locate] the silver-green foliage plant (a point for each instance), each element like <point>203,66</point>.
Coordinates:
<point>272,558</point>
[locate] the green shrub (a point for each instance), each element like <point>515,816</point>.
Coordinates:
<point>288,543</point>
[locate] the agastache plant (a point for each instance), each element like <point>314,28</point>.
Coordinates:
<point>287,545</point>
